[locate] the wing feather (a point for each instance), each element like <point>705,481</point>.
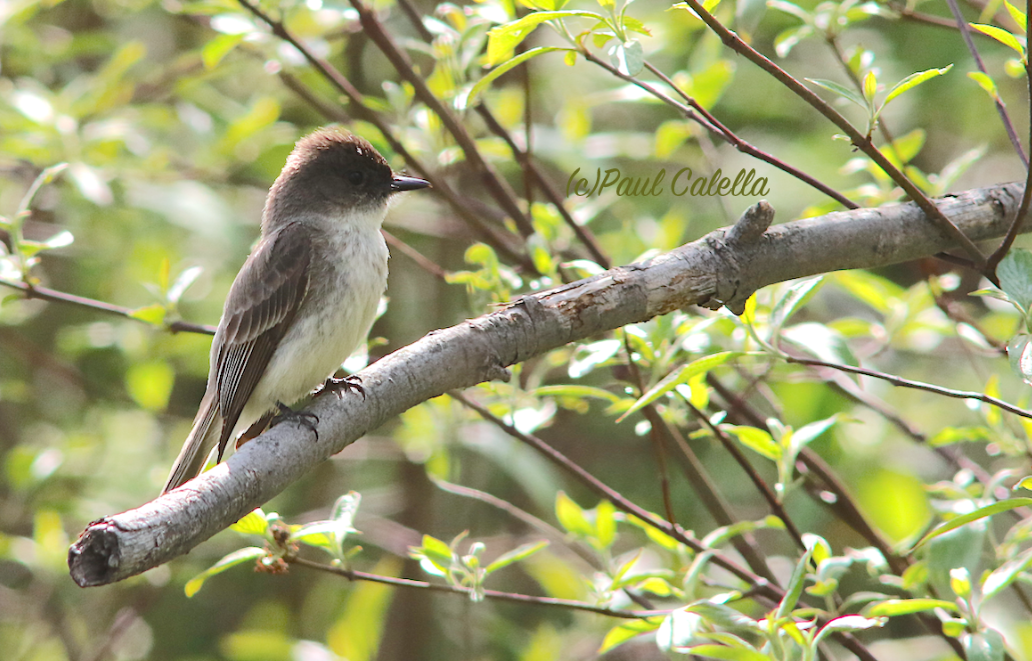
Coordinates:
<point>260,309</point>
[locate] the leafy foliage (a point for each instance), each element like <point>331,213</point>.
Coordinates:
<point>745,488</point>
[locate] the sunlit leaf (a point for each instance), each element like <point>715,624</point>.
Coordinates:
<point>1005,574</point>
<point>503,40</point>
<point>515,555</point>
<point>912,81</point>
<point>682,375</point>
<point>893,607</point>
<point>1002,36</point>
<point>469,99</point>
<point>231,560</point>
<point>252,523</point>
<point>841,90</point>
<point>980,513</point>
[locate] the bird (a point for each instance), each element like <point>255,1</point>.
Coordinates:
<point>305,297</point>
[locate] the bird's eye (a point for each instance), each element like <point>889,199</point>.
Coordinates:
<point>356,178</point>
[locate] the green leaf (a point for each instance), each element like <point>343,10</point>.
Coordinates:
<point>907,146</point>
<point>628,57</point>
<point>182,283</point>
<point>849,623</point>
<point>791,8</point>
<point>623,632</point>
<point>985,645</point>
<point>728,653</point>
<point>790,38</point>
<point>468,99</point>
<point>605,524</point>
<point>795,586</point>
<point>59,240</point>
<point>1015,274</point>
<point>680,630</point>
<point>822,342</point>
<point>893,607</point>
<point>980,513</point>
<point>870,87</point>
<point>1005,574</point>
<point>986,83</point>
<point>325,535</point>
<point>435,556</point>
<point>951,435</point>
<point>587,357</point>
<point>757,440</point>
<point>218,48</point>
<point>252,523</point>
<point>796,296</point>
<point>724,533</point>
<point>515,555</point>
<point>842,91</point>
<point>683,375</point>
<point>1002,36</point>
<point>231,560</point>
<point>1019,353</point>
<point>571,516</point>
<point>1017,15</point>
<point>152,314</point>
<point>579,392</point>
<point>503,40</point>
<point>912,81</point>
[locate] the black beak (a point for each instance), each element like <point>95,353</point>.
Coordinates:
<point>403,183</point>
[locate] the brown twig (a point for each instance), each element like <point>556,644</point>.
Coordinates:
<point>1026,198</point>
<point>421,260</point>
<point>672,529</point>
<point>768,494</point>
<point>1001,109</point>
<point>46,294</point>
<point>918,385</point>
<point>355,575</point>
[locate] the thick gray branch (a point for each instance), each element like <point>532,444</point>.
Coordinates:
<point>724,267</point>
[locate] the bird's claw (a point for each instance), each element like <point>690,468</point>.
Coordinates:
<point>304,418</point>
<point>340,386</point>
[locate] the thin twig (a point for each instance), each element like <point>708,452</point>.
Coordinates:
<point>46,294</point>
<point>768,494</point>
<point>421,260</point>
<point>672,529</point>
<point>355,575</point>
<point>918,385</point>
<point>1001,109</point>
<point>1012,233</point>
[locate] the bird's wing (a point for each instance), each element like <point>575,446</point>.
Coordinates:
<point>260,308</point>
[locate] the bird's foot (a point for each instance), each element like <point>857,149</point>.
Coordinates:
<point>341,386</point>
<point>302,418</point>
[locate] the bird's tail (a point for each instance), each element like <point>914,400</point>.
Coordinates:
<point>194,455</point>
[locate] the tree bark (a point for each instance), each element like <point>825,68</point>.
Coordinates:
<point>722,268</point>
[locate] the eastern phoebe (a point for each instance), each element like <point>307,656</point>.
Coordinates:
<point>305,297</point>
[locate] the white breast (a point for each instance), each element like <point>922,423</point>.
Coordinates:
<point>348,277</point>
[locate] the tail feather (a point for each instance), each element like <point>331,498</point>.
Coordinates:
<point>194,455</point>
